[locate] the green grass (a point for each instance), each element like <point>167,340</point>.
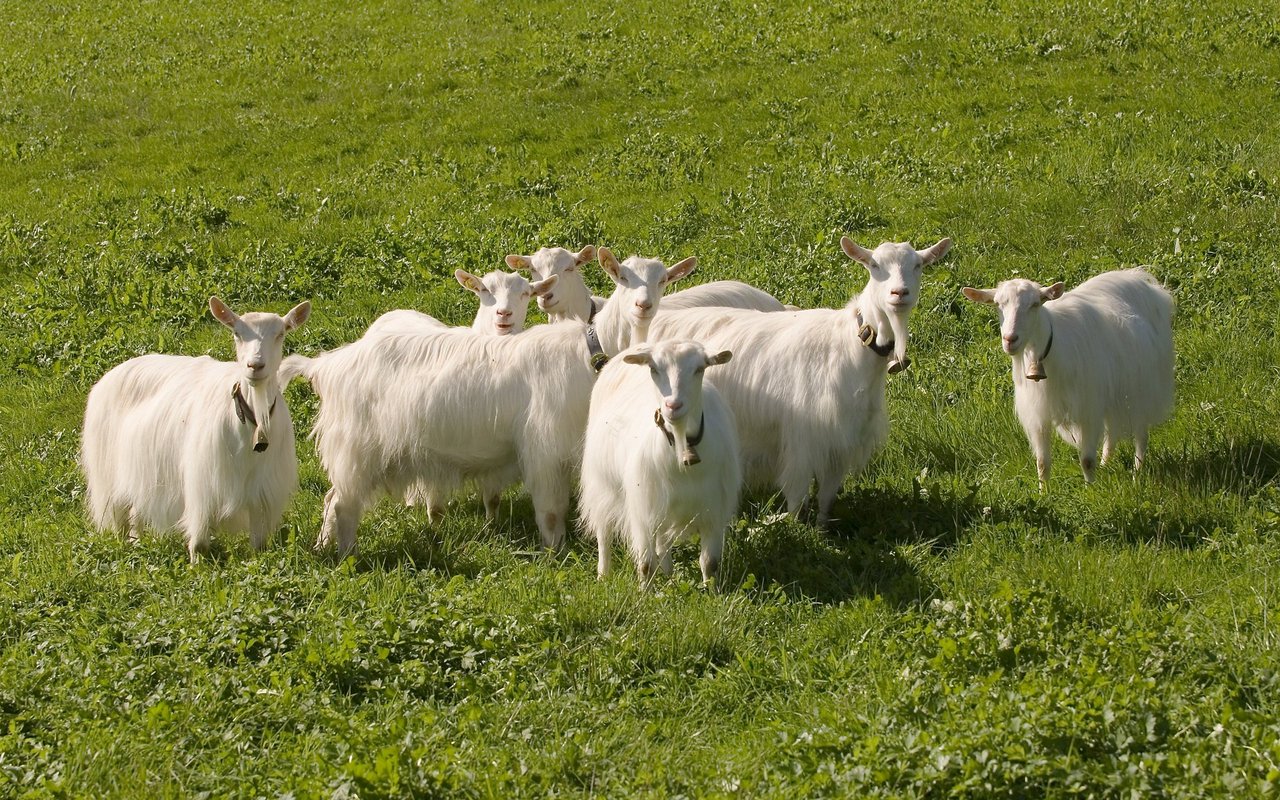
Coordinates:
<point>957,633</point>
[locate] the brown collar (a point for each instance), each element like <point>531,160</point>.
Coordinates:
<point>868,336</point>
<point>244,412</point>
<point>693,441</point>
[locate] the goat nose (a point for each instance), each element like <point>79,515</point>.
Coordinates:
<point>645,304</point>
<point>502,312</point>
<point>674,405</point>
<point>1010,339</point>
<point>900,292</point>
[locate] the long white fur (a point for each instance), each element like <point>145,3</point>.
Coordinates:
<point>633,483</point>
<point>504,299</point>
<point>1109,370</point>
<point>733,294</point>
<point>809,401</point>
<point>163,447</point>
<point>437,407</point>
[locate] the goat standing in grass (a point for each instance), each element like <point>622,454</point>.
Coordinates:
<point>642,477</point>
<point>195,443</point>
<point>810,400</point>
<point>434,407</point>
<point>1096,363</point>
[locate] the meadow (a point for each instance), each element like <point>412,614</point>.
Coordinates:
<point>957,633</point>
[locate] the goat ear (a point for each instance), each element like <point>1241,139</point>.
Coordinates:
<point>469,281</point>
<point>518,262</point>
<point>681,269</point>
<point>610,264</point>
<point>585,255</point>
<point>223,313</point>
<point>855,251</point>
<point>934,253</point>
<point>719,358</point>
<point>1053,292</point>
<point>545,285</point>
<point>638,357</point>
<point>987,296</point>
<point>297,315</point>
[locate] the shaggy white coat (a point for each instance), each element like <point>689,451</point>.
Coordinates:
<point>807,394</point>
<point>163,447</point>
<point>437,407</point>
<point>634,485</point>
<point>1109,370</point>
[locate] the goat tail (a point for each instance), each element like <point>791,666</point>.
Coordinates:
<point>295,366</point>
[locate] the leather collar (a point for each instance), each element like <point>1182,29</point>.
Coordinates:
<point>868,336</point>
<point>244,412</point>
<point>693,441</point>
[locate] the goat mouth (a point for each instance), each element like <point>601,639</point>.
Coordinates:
<point>901,305</point>
<point>503,327</point>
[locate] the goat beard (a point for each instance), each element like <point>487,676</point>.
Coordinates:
<point>898,324</point>
<point>685,452</point>
<point>261,393</point>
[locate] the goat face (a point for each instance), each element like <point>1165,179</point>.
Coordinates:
<point>504,299</point>
<point>259,336</point>
<point>641,282</point>
<point>549,262</point>
<point>895,269</point>
<point>1018,303</point>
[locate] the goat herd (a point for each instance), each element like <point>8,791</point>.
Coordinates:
<point>416,408</point>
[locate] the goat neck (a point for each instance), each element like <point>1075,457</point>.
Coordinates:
<point>616,328</point>
<point>261,397</point>
<point>574,299</point>
<point>889,325</point>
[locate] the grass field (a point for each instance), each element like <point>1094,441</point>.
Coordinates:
<point>956,634</point>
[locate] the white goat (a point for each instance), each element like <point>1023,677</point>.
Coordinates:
<point>1108,349</point>
<point>810,401</point>
<point>436,407</point>
<point>571,298</point>
<point>504,299</point>
<point>641,476</point>
<point>174,441</point>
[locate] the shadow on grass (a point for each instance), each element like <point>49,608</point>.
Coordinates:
<point>460,543</point>
<point>1241,466</point>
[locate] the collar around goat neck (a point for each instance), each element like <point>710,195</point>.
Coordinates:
<point>1049,344</point>
<point>244,412</point>
<point>693,441</point>
<point>597,358</point>
<point>595,309</point>
<point>868,336</point>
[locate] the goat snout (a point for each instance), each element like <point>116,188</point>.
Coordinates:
<point>673,405</point>
<point>1010,342</point>
<point>502,312</point>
